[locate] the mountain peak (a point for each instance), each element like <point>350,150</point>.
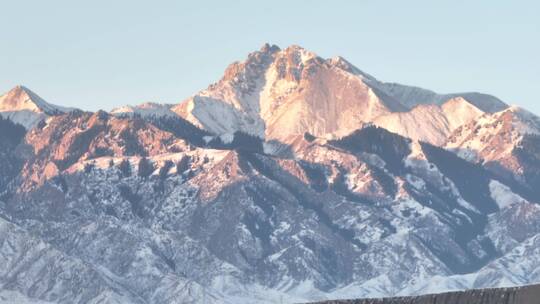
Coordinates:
<point>454,104</point>
<point>298,50</point>
<point>23,106</point>
<point>278,92</point>
<point>21,98</point>
<point>275,93</point>
<point>20,87</point>
<point>268,48</point>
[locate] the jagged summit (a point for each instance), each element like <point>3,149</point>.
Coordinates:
<point>25,107</point>
<point>278,93</point>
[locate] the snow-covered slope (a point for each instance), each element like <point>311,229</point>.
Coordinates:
<point>412,96</point>
<point>429,122</point>
<point>281,93</point>
<point>10,297</point>
<point>506,142</point>
<point>494,135</point>
<point>147,110</point>
<point>25,107</point>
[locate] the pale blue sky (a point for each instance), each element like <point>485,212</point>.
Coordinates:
<point>102,54</point>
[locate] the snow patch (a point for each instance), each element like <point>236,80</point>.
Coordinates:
<point>503,195</point>
<point>227,138</point>
<point>12,297</point>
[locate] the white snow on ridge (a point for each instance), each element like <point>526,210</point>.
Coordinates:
<point>430,123</point>
<point>493,137</point>
<point>525,122</point>
<point>459,111</point>
<point>438,284</point>
<point>411,96</point>
<point>147,109</point>
<point>503,196</point>
<point>26,118</point>
<point>227,138</point>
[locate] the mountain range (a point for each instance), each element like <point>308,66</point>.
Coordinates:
<point>292,178</point>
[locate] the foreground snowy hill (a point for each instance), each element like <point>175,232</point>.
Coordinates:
<point>516,295</point>
<point>238,226</point>
<point>199,203</point>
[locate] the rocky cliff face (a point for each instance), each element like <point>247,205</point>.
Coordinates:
<point>236,196</point>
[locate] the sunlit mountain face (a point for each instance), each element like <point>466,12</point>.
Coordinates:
<point>292,178</point>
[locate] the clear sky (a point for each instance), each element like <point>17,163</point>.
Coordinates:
<point>106,53</point>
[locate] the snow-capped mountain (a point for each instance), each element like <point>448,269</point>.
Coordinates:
<point>293,179</point>
<point>25,107</point>
<point>277,94</point>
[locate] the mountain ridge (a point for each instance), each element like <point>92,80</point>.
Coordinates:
<point>158,203</point>
<point>289,89</point>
